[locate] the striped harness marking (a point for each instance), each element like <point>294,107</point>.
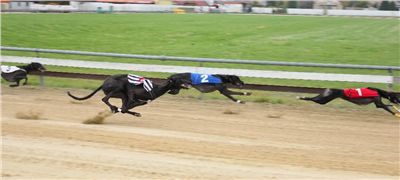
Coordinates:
<point>137,80</point>
<point>10,69</point>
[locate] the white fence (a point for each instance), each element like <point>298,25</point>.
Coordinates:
<point>305,11</point>
<point>258,10</point>
<point>42,7</point>
<point>182,69</point>
<point>330,12</point>
<point>93,6</point>
<point>363,13</point>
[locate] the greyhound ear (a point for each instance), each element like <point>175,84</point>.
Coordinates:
<point>224,78</point>
<point>232,78</point>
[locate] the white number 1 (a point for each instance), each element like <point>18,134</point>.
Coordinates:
<point>359,91</point>
<point>204,78</point>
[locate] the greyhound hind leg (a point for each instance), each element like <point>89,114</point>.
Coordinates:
<point>327,96</point>
<point>106,99</point>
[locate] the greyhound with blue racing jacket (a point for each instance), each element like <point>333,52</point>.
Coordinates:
<point>206,83</point>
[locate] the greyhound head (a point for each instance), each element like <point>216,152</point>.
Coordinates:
<point>392,97</point>
<point>177,84</point>
<point>233,79</point>
<point>36,67</point>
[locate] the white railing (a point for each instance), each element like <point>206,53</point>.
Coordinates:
<point>205,70</point>
<point>390,79</point>
<point>194,59</point>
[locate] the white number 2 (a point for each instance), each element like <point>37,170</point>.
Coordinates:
<point>359,91</point>
<point>204,78</point>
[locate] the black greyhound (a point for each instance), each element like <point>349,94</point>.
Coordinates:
<point>18,73</point>
<point>206,83</point>
<point>359,96</point>
<point>118,86</point>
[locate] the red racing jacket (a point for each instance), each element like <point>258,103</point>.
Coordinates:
<point>360,93</point>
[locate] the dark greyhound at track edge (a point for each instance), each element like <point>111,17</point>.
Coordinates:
<point>359,96</point>
<point>118,86</point>
<point>18,73</point>
<point>206,83</point>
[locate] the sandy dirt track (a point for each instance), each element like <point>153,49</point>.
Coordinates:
<point>187,138</point>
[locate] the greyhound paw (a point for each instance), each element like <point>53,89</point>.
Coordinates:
<point>397,115</point>
<point>299,97</point>
<point>138,115</point>
<point>247,93</point>
<point>240,102</point>
<point>114,109</point>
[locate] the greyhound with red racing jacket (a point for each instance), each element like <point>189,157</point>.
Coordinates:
<point>359,96</point>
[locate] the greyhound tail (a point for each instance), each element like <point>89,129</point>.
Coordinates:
<point>86,97</point>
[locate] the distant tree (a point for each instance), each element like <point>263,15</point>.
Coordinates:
<point>376,5</point>
<point>345,4</point>
<point>361,4</point>
<point>292,4</point>
<point>392,6</point>
<point>388,6</point>
<point>271,3</point>
<point>278,4</point>
<point>384,5</point>
<point>306,4</point>
<point>354,4</point>
<point>260,3</point>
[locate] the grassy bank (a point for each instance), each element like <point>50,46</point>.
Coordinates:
<point>280,38</point>
<point>260,37</point>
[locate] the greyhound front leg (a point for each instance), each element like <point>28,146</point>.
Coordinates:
<point>132,105</point>
<point>134,113</point>
<point>379,104</point>
<point>128,104</point>
<point>26,81</point>
<point>237,93</point>
<point>397,109</point>
<point>230,97</point>
<point>15,85</point>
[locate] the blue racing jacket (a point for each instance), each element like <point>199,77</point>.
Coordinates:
<point>204,79</point>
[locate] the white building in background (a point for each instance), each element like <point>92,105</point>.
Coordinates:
<point>23,6</point>
<point>327,4</point>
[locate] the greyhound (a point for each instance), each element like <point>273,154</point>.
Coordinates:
<point>18,73</point>
<point>359,96</point>
<point>206,83</point>
<point>118,86</point>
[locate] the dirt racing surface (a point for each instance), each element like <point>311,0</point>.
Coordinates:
<point>43,137</point>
